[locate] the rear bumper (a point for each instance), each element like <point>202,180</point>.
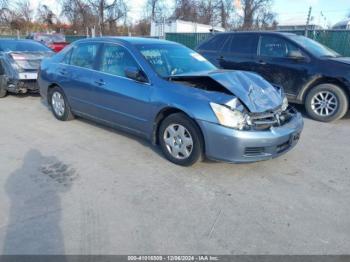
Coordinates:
<point>22,86</point>
<point>229,145</point>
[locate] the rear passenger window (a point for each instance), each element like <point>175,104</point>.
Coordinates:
<point>215,43</point>
<point>84,55</point>
<point>66,58</point>
<point>243,44</point>
<point>115,59</point>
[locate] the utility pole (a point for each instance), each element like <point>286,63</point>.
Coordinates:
<point>308,21</point>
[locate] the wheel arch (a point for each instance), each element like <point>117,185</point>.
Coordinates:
<point>322,80</point>
<point>164,113</point>
<point>50,87</point>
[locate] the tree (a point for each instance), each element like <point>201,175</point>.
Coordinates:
<point>155,9</point>
<point>24,10</point>
<point>210,12</point>
<point>254,11</point>
<point>79,14</point>
<point>109,13</point>
<point>186,10</point>
<point>46,16</point>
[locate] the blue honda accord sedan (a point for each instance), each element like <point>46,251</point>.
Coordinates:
<point>172,96</point>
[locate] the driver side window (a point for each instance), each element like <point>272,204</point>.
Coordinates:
<point>115,59</point>
<point>272,46</point>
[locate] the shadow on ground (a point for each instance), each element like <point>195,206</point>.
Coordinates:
<point>35,210</point>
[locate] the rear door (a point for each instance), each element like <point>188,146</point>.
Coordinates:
<point>239,52</point>
<point>211,49</point>
<point>76,75</point>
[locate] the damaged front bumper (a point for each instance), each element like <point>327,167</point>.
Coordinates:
<point>236,146</point>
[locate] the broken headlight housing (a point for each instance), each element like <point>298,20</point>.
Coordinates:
<point>284,104</point>
<point>229,117</point>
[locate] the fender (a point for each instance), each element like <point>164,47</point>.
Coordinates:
<point>319,79</point>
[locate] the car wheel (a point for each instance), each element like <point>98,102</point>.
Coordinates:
<point>59,104</point>
<point>180,140</point>
<point>326,103</point>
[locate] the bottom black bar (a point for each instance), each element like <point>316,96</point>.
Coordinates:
<point>171,258</point>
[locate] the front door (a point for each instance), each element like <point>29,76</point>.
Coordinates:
<point>276,65</point>
<point>118,99</point>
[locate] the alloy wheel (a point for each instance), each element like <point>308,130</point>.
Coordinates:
<point>324,103</point>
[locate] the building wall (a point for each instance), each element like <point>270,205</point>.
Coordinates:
<point>159,29</point>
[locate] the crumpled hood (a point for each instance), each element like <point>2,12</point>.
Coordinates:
<point>257,94</point>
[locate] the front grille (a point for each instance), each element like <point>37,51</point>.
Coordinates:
<point>266,120</point>
<point>254,151</point>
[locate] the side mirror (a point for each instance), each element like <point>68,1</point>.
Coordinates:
<point>135,74</point>
<point>296,55</point>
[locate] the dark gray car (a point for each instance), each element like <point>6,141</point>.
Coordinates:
<point>19,64</point>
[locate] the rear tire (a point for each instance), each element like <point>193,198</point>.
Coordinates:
<point>180,140</point>
<point>59,104</point>
<point>326,103</point>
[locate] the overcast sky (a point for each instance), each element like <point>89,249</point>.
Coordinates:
<point>289,11</point>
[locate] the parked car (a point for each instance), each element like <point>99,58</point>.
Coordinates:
<point>310,73</point>
<point>54,41</point>
<point>172,96</point>
<point>19,64</point>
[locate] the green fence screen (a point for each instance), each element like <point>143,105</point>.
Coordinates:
<point>69,38</point>
<point>338,40</point>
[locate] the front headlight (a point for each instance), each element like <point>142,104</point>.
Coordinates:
<point>228,117</point>
<point>285,104</point>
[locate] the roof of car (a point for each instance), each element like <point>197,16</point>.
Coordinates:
<point>129,40</point>
<point>259,32</point>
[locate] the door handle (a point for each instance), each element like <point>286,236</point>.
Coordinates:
<point>262,62</point>
<point>100,82</point>
<point>62,71</point>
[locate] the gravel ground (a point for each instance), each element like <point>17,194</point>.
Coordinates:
<point>80,188</point>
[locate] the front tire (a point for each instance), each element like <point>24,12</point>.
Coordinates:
<point>326,103</point>
<point>59,104</point>
<point>180,140</point>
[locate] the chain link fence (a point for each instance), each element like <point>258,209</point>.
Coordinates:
<point>338,40</point>
<point>69,38</point>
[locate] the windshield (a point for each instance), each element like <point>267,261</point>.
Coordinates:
<point>22,46</point>
<point>314,47</point>
<point>170,59</point>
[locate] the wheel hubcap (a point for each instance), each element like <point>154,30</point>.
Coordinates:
<point>324,103</point>
<point>58,103</point>
<point>178,141</point>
